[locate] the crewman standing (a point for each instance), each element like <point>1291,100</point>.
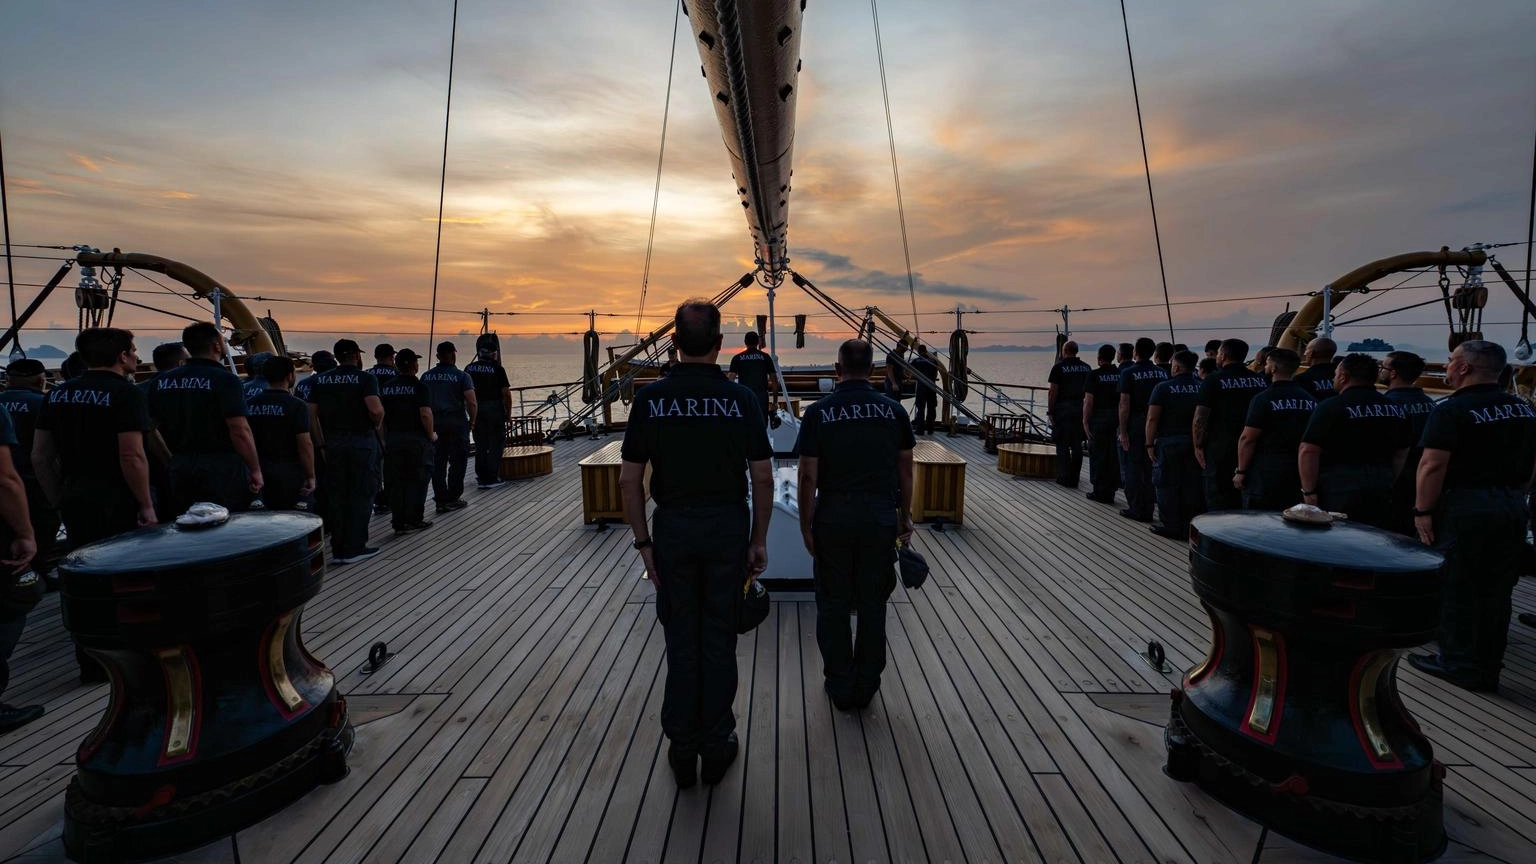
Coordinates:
<point>18,583</point>
<point>255,383</point>
<point>280,424</point>
<point>1212,349</point>
<point>855,449</point>
<point>1224,398</point>
<point>408,444</point>
<point>493,396</point>
<point>752,367</point>
<point>1101,422</point>
<point>345,415</point>
<point>1175,473</point>
<point>1162,358</point>
<point>927,403</point>
<point>23,400</point>
<point>1266,472</point>
<point>701,435</point>
<point>1479,452</point>
<point>1136,385</point>
<point>1321,365</point>
<point>320,361</point>
<point>1064,403</point>
<point>1400,373</point>
<point>454,411</point>
<point>165,357</point>
<point>199,411</point>
<point>1354,446</point>
<point>1126,356</point>
<point>383,362</point>
<point>895,374</point>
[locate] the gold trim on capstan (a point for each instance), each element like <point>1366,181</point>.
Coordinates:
<point>1263,711</point>
<point>1367,703</point>
<point>178,688</point>
<point>1210,653</point>
<point>277,669</point>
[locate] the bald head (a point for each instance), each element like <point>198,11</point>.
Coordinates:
<point>1069,349</point>
<point>696,330</point>
<point>1321,350</point>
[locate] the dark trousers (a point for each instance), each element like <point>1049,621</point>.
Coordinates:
<point>1272,482</point>
<point>450,462</point>
<point>1481,532</point>
<point>1180,487</point>
<point>351,480</point>
<point>927,411</point>
<point>1403,492</point>
<point>45,523</point>
<point>490,441</point>
<point>218,478</point>
<point>1067,434</point>
<point>701,556</point>
<point>1362,491</point>
<point>280,487</point>
<point>12,622</point>
<point>92,514</point>
<point>1220,494</point>
<point>855,573</point>
<point>1139,494</point>
<point>1103,454</point>
<point>407,473</point>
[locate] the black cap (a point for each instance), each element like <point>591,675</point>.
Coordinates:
<point>487,342</point>
<point>346,347</point>
<point>322,361</point>
<point>444,347</point>
<point>406,355</point>
<point>382,350</point>
<point>25,367</point>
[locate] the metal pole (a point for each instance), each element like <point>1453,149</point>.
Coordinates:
<point>1066,321</point>
<point>1328,311</point>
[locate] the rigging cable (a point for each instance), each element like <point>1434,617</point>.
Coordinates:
<point>442,183</point>
<point>890,133</point>
<point>5,217</point>
<point>1147,164</point>
<point>1530,240</point>
<point>666,111</point>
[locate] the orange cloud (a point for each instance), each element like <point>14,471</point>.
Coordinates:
<point>86,162</point>
<point>178,194</point>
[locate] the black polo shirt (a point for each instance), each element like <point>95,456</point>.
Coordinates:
<point>7,429</point>
<point>24,406</point>
<point>1358,427</point>
<point>856,433</point>
<point>752,369</point>
<point>698,430</point>
<point>1416,404</point>
<point>404,396</point>
<point>253,387</point>
<point>1177,397</point>
<point>301,389</point>
<point>1139,379</point>
<point>925,366</point>
<point>893,366</point>
<point>277,418</point>
<point>1071,379</point>
<point>338,395</point>
<point>448,384</point>
<point>1318,380</point>
<point>1104,387</point>
<point>489,379</point>
<point>1227,392</point>
<point>85,416</point>
<point>383,373</point>
<point>1281,413</point>
<point>1490,434</point>
<point>192,403</point>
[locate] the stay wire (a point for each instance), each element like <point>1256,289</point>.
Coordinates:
<point>666,112</point>
<point>1530,241</point>
<point>890,133</point>
<point>1146,162</point>
<point>5,218</point>
<point>442,183</point>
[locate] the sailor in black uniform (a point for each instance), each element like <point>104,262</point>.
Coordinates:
<point>701,434</point>
<point>408,442</point>
<point>1479,452</point>
<point>1126,356</point>
<point>1260,362</point>
<point>345,414</point>
<point>1208,367</point>
<point>383,362</point>
<point>1136,385</point>
<point>493,398</point>
<point>1266,473</point>
<point>927,403</point>
<point>1101,422</point>
<point>855,449</point>
<point>18,584</point>
<point>751,368</point>
<point>895,375</point>
<point>199,410</point>
<point>320,361</point>
<point>454,409</point>
<point>1224,399</point>
<point>1321,365</point>
<point>280,423</point>
<point>1064,403</point>
<point>1400,373</point>
<point>1212,349</point>
<point>1162,358</point>
<point>166,356</point>
<point>255,383</point>
<point>1354,446</point>
<point>23,400</point>
<point>1175,473</point>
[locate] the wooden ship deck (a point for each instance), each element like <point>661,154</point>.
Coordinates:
<point>1017,722</point>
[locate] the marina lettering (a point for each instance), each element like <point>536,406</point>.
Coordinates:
<point>184,384</point>
<point>1495,413</point>
<point>1360,412</point>
<point>82,397</point>
<point>707,407</point>
<point>1292,404</point>
<point>265,410</point>
<point>1244,383</point>
<point>1184,388</point>
<point>857,411</point>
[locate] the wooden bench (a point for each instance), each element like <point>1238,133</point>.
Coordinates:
<point>999,429</point>
<point>601,501</point>
<point>1027,460</point>
<point>519,463</point>
<point>938,484</point>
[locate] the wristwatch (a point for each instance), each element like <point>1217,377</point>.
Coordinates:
<point>1417,512</point>
<point>1239,472</point>
<point>644,544</point>
<point>1307,492</point>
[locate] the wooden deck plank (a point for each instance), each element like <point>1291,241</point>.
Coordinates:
<point>794,840</point>
<point>839,795</point>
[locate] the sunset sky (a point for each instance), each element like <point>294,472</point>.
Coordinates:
<point>291,149</point>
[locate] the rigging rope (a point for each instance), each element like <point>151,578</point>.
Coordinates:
<point>1147,164</point>
<point>666,111</point>
<point>1524,348</point>
<point>890,133</point>
<point>5,217</point>
<point>442,183</point>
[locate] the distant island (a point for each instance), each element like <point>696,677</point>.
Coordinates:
<point>1371,344</point>
<point>46,352</point>
<point>990,348</point>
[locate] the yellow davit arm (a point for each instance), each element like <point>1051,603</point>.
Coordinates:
<point>248,332</point>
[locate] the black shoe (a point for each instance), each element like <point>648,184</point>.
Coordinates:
<point>1165,531</point>
<point>457,504</point>
<point>1432,665</point>
<point>717,763</point>
<point>1127,513</point>
<point>422,525</point>
<point>443,508</point>
<point>1067,483</point>
<point>840,701</point>
<point>1101,499</point>
<point>1528,619</point>
<point>403,529</point>
<point>380,509</point>
<point>15,718</point>
<point>93,673</point>
<point>684,767</point>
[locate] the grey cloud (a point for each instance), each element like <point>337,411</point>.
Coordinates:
<point>848,276</point>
